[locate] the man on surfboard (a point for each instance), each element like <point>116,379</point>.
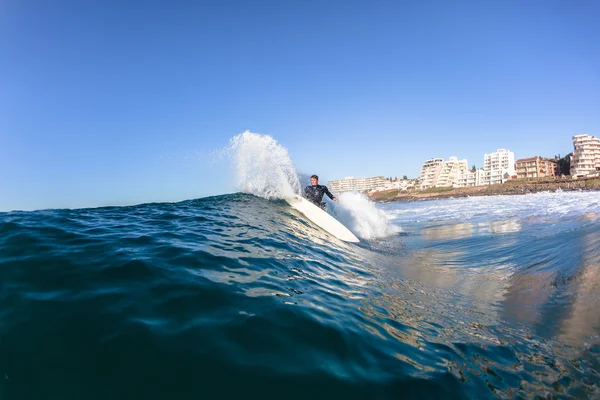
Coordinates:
<point>314,193</point>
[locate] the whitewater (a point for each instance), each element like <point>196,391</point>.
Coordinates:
<point>239,295</point>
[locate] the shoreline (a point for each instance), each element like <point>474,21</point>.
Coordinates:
<point>511,188</point>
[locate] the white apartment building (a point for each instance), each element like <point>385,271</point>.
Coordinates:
<point>400,184</point>
<point>469,178</point>
<point>498,167</point>
<point>586,156</point>
<point>450,172</point>
<point>430,171</point>
<point>350,184</point>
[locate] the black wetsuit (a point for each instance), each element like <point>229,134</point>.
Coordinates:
<point>315,194</point>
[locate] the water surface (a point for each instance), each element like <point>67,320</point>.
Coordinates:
<point>240,296</point>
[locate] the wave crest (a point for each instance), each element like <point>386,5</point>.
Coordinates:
<point>263,167</point>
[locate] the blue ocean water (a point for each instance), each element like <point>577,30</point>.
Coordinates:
<point>240,296</point>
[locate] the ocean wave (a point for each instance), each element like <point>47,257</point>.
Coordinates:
<point>238,294</point>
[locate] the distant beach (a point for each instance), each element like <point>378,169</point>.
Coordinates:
<point>516,187</point>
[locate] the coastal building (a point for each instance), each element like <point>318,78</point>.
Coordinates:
<point>498,167</point>
<point>389,185</point>
<point>430,171</point>
<point>398,184</point>
<point>350,184</point>
<point>470,178</point>
<point>450,172</point>
<point>536,167</point>
<point>586,155</point>
<point>409,184</point>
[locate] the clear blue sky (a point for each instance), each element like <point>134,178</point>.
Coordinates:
<point>120,102</point>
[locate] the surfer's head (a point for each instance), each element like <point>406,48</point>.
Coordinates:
<point>314,180</point>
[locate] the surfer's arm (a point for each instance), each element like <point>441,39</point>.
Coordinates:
<point>328,193</point>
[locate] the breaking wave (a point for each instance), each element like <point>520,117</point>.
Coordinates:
<point>263,167</point>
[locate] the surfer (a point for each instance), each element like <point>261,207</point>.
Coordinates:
<point>315,192</point>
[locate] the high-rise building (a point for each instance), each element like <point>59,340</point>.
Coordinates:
<point>498,167</point>
<point>470,178</point>
<point>356,184</point>
<point>586,156</point>
<point>430,171</point>
<point>450,172</point>
<point>536,167</point>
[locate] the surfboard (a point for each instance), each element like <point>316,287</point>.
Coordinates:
<point>322,219</point>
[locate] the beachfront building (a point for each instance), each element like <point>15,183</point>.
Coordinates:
<point>429,172</point>
<point>351,184</point>
<point>439,173</point>
<point>586,156</point>
<point>536,167</point>
<point>470,178</point>
<point>450,172</point>
<point>498,167</point>
<point>398,184</point>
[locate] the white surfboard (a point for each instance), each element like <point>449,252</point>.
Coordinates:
<point>322,218</point>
